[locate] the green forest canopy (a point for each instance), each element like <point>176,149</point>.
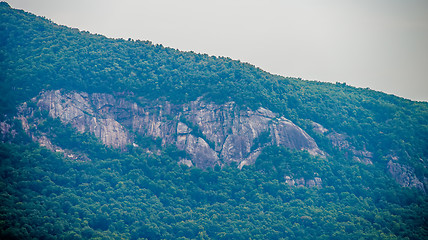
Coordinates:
<point>40,55</point>
<point>136,195</point>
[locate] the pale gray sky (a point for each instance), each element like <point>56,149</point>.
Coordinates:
<point>381,44</point>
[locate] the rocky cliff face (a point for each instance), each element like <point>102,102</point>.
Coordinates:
<point>402,174</point>
<point>405,176</point>
<point>210,134</point>
<point>340,141</point>
<point>302,182</point>
<point>6,131</point>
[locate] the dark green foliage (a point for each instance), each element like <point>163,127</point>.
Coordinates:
<point>280,162</point>
<point>196,131</point>
<point>261,140</point>
<point>38,55</point>
<point>109,194</point>
<point>136,196</point>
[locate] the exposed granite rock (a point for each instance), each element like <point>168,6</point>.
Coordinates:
<point>110,132</point>
<point>251,159</point>
<point>85,114</point>
<point>318,182</point>
<point>289,181</point>
<point>209,133</point>
<point>318,128</point>
<point>363,156</point>
<point>340,141</point>
<point>183,128</point>
<point>202,155</point>
<point>216,132</point>
<point>30,125</point>
<point>405,176</point>
<point>302,182</point>
<point>233,131</point>
<point>7,132</point>
<point>186,162</point>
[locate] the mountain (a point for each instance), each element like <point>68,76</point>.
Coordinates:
<point>210,134</point>
<point>112,138</point>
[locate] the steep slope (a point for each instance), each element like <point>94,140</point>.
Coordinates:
<point>206,131</point>
<point>38,55</point>
<point>136,140</point>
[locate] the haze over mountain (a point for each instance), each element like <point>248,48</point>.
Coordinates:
<point>106,138</point>
<point>379,44</point>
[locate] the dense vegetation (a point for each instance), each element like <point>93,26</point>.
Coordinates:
<point>38,55</point>
<point>137,195</point>
<point>134,194</point>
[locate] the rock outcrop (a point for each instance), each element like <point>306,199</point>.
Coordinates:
<point>405,176</point>
<point>6,131</point>
<point>402,174</point>
<point>340,141</point>
<point>302,182</point>
<point>210,133</point>
<point>30,124</point>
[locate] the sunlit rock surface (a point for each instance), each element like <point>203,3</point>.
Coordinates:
<point>209,133</point>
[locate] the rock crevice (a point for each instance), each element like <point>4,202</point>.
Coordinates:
<point>210,133</point>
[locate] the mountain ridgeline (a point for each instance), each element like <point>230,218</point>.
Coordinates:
<point>110,138</point>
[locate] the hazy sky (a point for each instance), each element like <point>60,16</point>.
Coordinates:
<point>381,44</point>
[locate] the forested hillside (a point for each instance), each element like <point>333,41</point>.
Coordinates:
<point>370,182</point>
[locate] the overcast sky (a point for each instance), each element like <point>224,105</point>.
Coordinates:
<point>380,44</point>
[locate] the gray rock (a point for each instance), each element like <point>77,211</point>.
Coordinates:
<point>405,175</point>
<point>290,181</point>
<point>183,128</point>
<point>202,155</point>
<point>318,182</point>
<point>318,128</point>
<point>186,162</point>
<point>216,131</point>
<point>300,182</point>
<point>7,132</point>
<point>340,141</point>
